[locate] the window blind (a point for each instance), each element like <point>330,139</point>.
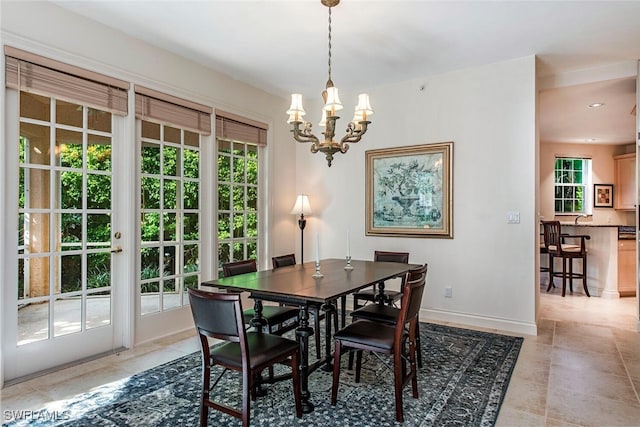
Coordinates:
<point>33,73</point>
<point>234,127</point>
<point>161,108</point>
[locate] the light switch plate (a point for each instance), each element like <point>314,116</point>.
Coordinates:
<point>513,217</point>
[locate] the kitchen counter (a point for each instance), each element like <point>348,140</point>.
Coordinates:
<point>602,249</point>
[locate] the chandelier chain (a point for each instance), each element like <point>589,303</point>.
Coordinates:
<point>330,43</point>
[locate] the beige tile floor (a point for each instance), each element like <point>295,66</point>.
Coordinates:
<point>583,368</point>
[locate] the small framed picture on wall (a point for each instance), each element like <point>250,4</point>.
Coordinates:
<point>602,195</point>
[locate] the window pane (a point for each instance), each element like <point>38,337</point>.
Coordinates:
<point>70,190</point>
<point>69,148</point>
<point>150,263</point>
<point>98,309</point>
<point>170,194</point>
<point>98,191</point>
<point>150,193</point>
<point>224,168</point>
<point>150,130</point>
<point>191,226</point>
<point>149,297</point>
<point>150,158</point>
<point>224,226</point>
<point>67,316</point>
<point>169,261</point>
<point>68,114</point>
<point>170,157</point>
<point>191,167</point>
<point>191,260</point>
<point>150,227</point>
<point>170,227</point>
<point>191,195</point>
<point>37,148</point>
<point>224,197</point>
<point>71,231</point>
<point>35,106</point>
<point>172,134</point>
<point>98,230</point>
<point>99,120</point>
<point>99,153</point>
<point>70,273</point>
<point>98,270</point>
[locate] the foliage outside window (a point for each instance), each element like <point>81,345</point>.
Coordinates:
<point>170,205</point>
<point>572,188</point>
<point>237,201</point>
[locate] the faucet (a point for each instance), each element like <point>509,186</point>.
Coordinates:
<point>580,216</point>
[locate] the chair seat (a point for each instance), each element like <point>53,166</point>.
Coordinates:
<point>566,248</point>
<point>273,314</point>
<point>262,349</point>
<point>366,333</point>
<point>377,313</point>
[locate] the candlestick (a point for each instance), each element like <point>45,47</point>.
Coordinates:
<point>317,249</point>
<point>348,244</point>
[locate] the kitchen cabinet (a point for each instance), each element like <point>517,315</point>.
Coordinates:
<point>624,197</point>
<point>627,277</point>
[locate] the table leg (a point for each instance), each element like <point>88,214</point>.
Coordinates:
<point>303,332</point>
<point>381,298</point>
<point>330,313</point>
<point>258,322</point>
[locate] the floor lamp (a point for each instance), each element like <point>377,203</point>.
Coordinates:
<point>301,207</point>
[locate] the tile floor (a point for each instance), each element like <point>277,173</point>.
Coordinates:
<point>583,368</point>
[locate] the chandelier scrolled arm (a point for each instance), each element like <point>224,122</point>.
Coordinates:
<point>355,129</point>
<point>303,135</point>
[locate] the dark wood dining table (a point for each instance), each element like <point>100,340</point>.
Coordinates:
<point>295,285</point>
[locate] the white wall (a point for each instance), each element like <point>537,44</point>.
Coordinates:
<point>489,114</point>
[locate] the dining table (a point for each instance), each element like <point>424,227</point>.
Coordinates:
<point>296,285</point>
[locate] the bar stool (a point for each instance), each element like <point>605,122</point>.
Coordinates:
<point>554,241</point>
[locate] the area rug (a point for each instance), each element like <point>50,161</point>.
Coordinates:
<point>462,383</point>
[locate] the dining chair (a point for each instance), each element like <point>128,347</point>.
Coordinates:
<point>554,241</point>
<point>398,340</point>
<point>314,308</point>
<point>280,319</point>
<point>373,294</point>
<point>219,316</point>
<point>389,315</point>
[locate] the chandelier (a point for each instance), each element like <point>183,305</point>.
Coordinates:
<point>355,129</point>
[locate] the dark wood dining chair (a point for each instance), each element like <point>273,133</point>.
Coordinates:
<point>378,293</point>
<point>279,319</point>
<point>398,340</point>
<point>219,316</point>
<point>555,242</point>
<point>389,315</point>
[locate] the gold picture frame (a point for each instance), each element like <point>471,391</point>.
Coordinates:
<point>409,191</point>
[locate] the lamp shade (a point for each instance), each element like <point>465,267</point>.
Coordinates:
<point>302,206</point>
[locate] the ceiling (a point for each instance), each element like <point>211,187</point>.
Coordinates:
<point>281,46</point>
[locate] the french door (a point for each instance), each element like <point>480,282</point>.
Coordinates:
<point>64,302</point>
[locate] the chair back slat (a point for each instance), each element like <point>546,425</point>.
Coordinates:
<point>217,315</point>
<point>239,267</point>
<point>552,234</point>
<point>412,295</point>
<point>283,260</point>
<point>386,256</point>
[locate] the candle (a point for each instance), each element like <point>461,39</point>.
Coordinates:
<point>348,244</point>
<point>317,249</point>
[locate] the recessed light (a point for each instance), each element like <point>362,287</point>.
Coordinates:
<point>590,140</point>
<point>596,105</point>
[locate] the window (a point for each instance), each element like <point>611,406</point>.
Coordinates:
<point>170,235</point>
<point>237,201</point>
<point>572,185</point>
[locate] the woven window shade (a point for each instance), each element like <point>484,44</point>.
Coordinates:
<point>43,76</point>
<point>237,128</point>
<point>166,109</point>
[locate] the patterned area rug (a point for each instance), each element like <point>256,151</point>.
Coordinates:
<point>463,382</point>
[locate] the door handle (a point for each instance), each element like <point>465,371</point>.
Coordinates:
<point>116,249</point>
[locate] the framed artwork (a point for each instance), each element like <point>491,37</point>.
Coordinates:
<point>602,195</point>
<point>409,191</point>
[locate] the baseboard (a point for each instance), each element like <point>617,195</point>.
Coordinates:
<point>476,321</point>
